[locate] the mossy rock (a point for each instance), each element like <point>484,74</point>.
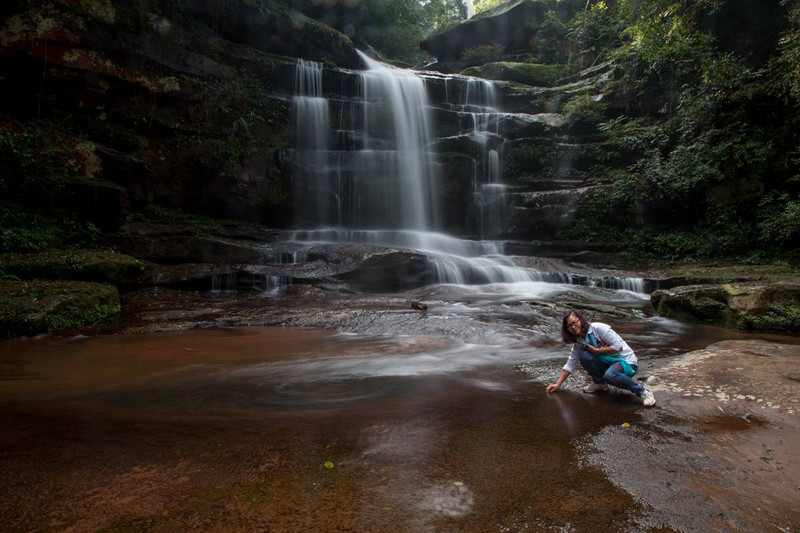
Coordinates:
<point>533,74</point>
<point>33,307</point>
<point>750,307</point>
<point>86,265</point>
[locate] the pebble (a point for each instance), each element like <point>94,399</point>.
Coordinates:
<point>751,397</point>
<point>740,397</point>
<point>760,400</point>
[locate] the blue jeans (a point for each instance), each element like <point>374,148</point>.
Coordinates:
<point>611,374</point>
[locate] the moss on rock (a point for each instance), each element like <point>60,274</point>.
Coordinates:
<point>110,267</point>
<point>751,307</point>
<point>534,74</point>
<point>33,307</point>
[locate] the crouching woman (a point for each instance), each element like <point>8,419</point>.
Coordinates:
<point>606,357</point>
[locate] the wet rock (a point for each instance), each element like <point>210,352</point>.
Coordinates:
<point>746,306</point>
<point>543,213</point>
<point>32,307</point>
<point>164,242</point>
<point>528,73</point>
<point>393,271</point>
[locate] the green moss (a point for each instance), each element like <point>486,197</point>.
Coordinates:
<point>71,317</point>
<point>782,316</point>
<point>32,307</point>
<point>534,74</point>
<point>87,265</point>
<point>197,224</point>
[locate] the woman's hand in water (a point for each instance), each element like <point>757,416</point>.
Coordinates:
<point>552,387</point>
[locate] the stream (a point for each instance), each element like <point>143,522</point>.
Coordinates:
<point>360,414</point>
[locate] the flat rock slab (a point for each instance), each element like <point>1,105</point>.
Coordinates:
<point>744,398</point>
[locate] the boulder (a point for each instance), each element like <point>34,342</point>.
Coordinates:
<point>393,271</point>
<point>33,307</point>
<point>527,73</point>
<point>508,25</point>
<point>745,306</point>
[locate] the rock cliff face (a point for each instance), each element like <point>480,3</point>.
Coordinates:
<point>507,25</point>
<point>189,105</point>
<point>179,103</point>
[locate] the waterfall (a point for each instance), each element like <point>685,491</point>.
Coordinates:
<point>311,141</point>
<point>374,181</point>
<point>399,179</point>
<point>382,173</point>
<point>482,121</point>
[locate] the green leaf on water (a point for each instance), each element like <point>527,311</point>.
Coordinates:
<point>329,464</point>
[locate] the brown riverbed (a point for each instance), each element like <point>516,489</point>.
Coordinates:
<point>231,430</point>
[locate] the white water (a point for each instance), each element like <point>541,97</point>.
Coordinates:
<point>411,180</point>
<point>380,187</point>
<point>311,138</point>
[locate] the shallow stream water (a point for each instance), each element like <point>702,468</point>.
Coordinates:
<point>388,419</point>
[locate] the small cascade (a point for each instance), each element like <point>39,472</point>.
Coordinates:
<point>379,171</point>
<point>311,140</point>
<point>500,269</point>
<point>224,282</point>
<point>397,181</point>
<point>480,119</point>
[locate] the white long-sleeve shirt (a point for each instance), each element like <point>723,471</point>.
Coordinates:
<point>605,337</point>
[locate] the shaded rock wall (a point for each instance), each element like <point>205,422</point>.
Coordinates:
<point>178,103</point>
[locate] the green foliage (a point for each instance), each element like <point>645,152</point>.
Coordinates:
<point>30,170</point>
<point>157,214</point>
<point>442,14</point>
<point>482,53</point>
<point>394,28</point>
<point>481,6</point>
<point>712,156</point>
<point>23,231</point>
<point>8,277</point>
<point>549,42</point>
<point>783,66</point>
<point>779,219</point>
<point>585,110</point>
<point>593,33</point>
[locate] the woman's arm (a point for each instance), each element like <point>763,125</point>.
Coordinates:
<point>554,387</point>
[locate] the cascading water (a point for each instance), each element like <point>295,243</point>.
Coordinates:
<point>480,119</point>
<point>378,184</point>
<point>311,142</point>
<point>398,165</point>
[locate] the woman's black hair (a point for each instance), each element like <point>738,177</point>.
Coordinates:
<point>565,334</point>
